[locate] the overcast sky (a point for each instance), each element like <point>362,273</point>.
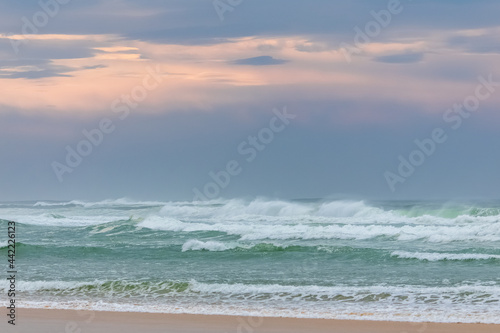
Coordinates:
<point>292,99</point>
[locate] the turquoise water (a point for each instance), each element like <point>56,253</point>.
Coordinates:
<point>400,260</point>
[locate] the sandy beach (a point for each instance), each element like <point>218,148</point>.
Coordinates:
<point>71,321</point>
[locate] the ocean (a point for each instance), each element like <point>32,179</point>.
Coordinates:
<point>345,259</point>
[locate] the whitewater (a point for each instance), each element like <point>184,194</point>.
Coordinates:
<point>317,258</point>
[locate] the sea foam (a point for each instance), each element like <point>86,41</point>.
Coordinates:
<point>435,256</point>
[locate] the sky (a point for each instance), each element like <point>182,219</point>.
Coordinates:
<point>203,99</point>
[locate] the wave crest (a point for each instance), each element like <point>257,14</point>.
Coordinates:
<point>196,245</point>
<point>436,256</point>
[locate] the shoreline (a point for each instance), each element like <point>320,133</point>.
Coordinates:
<point>54,320</point>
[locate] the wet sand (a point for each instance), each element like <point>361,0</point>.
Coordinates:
<point>72,321</point>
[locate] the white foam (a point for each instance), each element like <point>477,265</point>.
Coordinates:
<point>273,212</point>
<point>103,203</point>
<point>235,208</point>
<point>196,245</point>
<point>52,204</point>
<point>261,207</point>
<point>262,230</point>
<point>266,208</point>
<point>353,212</point>
<point>47,219</point>
<point>347,209</point>
<point>459,303</point>
<point>486,292</point>
<point>358,292</point>
<point>31,286</point>
<point>435,256</point>
<point>124,202</point>
<point>103,230</point>
<point>429,314</point>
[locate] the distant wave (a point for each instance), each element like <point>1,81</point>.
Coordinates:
<point>341,293</point>
<point>262,219</point>
<point>283,231</point>
<point>57,220</point>
<point>103,203</point>
<point>5,245</point>
<point>260,207</point>
<point>102,288</point>
<point>435,256</point>
<point>54,249</point>
<point>196,245</point>
<point>55,204</point>
<point>276,207</point>
<point>313,211</point>
<point>344,211</point>
<point>214,246</point>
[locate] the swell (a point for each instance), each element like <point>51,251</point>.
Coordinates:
<point>455,294</point>
<point>286,230</point>
<point>276,207</point>
<point>236,247</point>
<point>111,203</point>
<point>78,213</point>
<point>323,208</point>
<point>90,223</point>
<point>63,250</point>
<point>440,256</point>
<point>343,252</point>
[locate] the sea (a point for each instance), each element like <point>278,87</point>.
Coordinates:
<point>317,258</point>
